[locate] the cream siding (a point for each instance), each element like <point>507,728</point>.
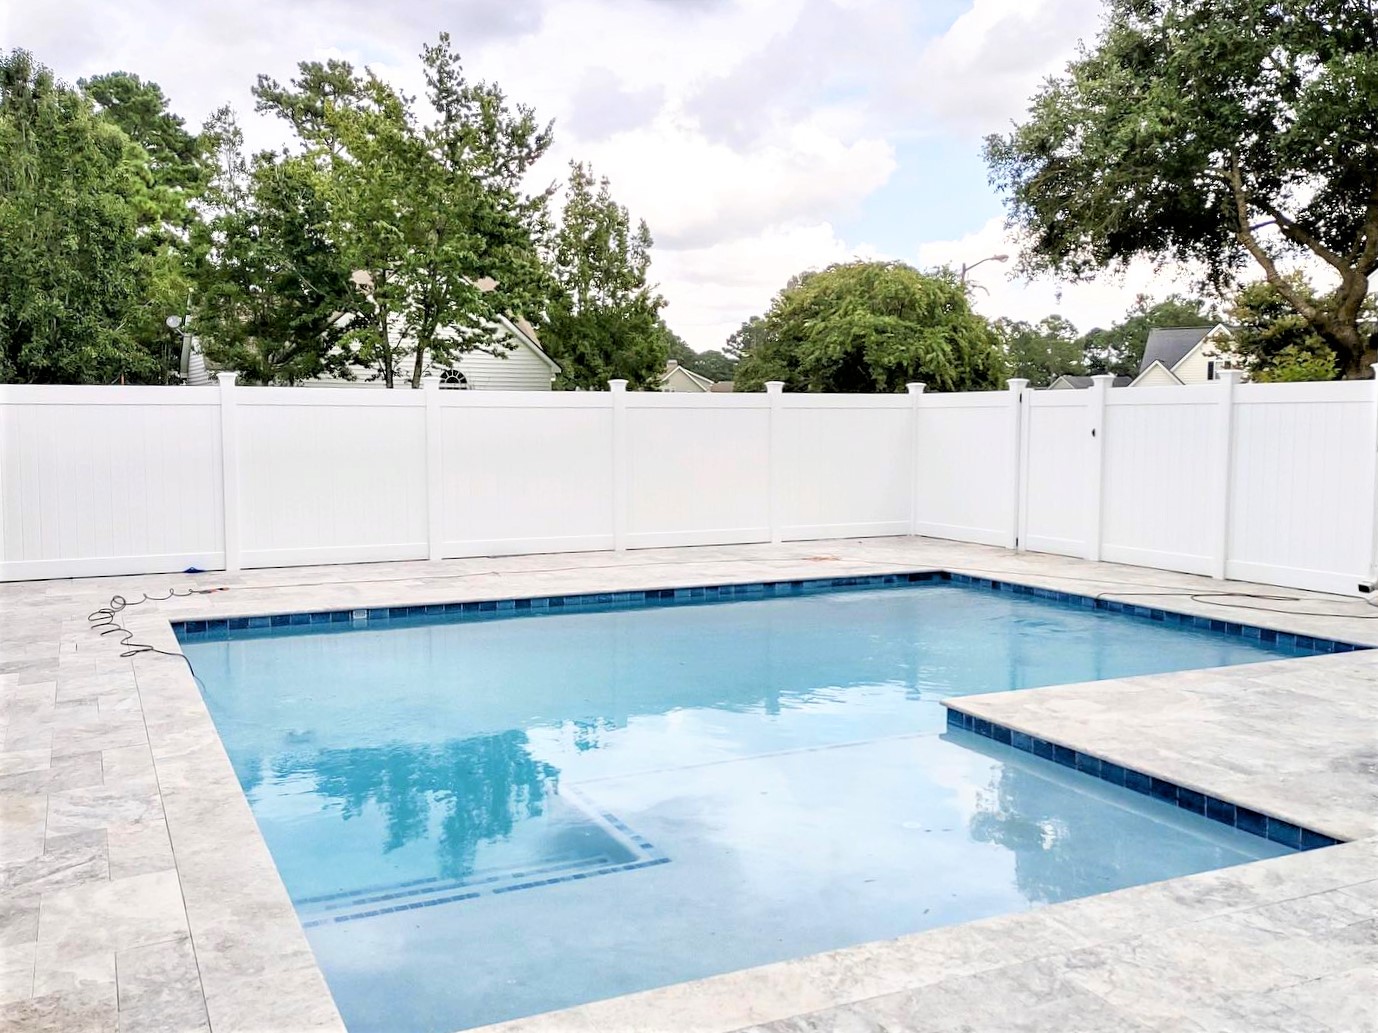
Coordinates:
<point>1194,366</point>
<point>520,369</point>
<point>681,380</point>
<point>1157,375</point>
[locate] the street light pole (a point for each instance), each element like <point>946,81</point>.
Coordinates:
<point>968,268</point>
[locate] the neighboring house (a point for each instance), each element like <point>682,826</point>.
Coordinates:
<point>1181,355</point>
<point>723,387</point>
<point>523,366</point>
<point>1066,383</point>
<point>682,378</point>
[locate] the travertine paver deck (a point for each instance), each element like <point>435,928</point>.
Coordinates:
<point>136,893</point>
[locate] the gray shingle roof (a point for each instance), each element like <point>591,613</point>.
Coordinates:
<point>1169,344</point>
<point>1085,382</point>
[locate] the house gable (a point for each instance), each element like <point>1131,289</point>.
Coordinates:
<point>1155,374</point>
<point>1195,366</point>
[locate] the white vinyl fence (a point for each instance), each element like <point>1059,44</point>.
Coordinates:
<point>1271,483</point>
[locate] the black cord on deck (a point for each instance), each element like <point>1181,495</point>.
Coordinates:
<point>106,622</point>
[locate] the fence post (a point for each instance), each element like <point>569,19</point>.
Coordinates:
<point>435,479</point>
<point>775,396</point>
<point>621,494</point>
<point>1224,462</point>
<point>1373,507</point>
<point>1017,387</point>
<point>1095,419</point>
<point>229,469</point>
<point>915,397</point>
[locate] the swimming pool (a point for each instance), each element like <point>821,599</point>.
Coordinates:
<point>500,811</point>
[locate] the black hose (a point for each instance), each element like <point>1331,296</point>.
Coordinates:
<point>105,621</point>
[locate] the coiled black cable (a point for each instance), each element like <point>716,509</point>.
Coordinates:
<point>105,621</point>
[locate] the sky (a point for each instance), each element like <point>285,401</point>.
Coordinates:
<point>757,138</point>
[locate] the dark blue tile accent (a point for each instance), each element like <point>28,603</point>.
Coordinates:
<point>1284,832</point>
<point>1191,800</point>
<point>1042,748</point>
<point>339,617</point>
<point>194,626</point>
<point>1315,840</point>
<point>1001,734</point>
<point>1161,789</point>
<point>1220,810</point>
<point>260,622</point>
<point>1250,821</point>
<point>1062,755</point>
<point>1112,773</point>
<point>1137,781</point>
<point>298,618</point>
<point>1019,740</point>
<point>239,623</point>
<point>1088,764</point>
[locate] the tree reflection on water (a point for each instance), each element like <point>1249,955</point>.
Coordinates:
<point>1063,846</point>
<point>482,786</point>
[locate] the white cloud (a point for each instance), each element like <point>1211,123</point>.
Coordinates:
<point>996,291</point>
<point>744,133</point>
<point>980,73</point>
<point>712,290</point>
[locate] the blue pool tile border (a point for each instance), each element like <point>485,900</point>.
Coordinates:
<point>489,609</point>
<point>1284,833</point>
<point>455,898</point>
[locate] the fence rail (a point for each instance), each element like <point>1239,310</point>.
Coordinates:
<point>1275,483</point>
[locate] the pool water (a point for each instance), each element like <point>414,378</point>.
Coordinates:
<point>479,820</point>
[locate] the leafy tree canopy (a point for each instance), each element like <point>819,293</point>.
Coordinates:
<point>1041,352</point>
<point>432,217</point>
<point>76,286</point>
<point>872,327</point>
<point>269,302</point>
<point>712,364</point>
<point>1224,132</point>
<point>604,323</point>
<point>1119,349</point>
<point>1277,343</point>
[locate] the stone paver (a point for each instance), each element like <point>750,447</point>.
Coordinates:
<point>136,893</point>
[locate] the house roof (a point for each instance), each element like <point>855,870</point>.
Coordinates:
<point>526,334</point>
<point>1170,344</point>
<point>1082,382</point>
<point>1157,362</point>
<point>697,379</point>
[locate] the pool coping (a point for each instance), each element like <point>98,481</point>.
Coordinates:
<point>220,853</point>
<point>602,602</point>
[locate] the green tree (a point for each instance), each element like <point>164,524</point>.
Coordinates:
<point>1293,364</point>
<point>1218,132</point>
<point>74,280</point>
<point>604,323</point>
<point>432,217</point>
<point>1119,350</point>
<point>273,284</point>
<point>179,168</point>
<point>871,327</point>
<point>180,163</point>
<point>712,364</point>
<point>1041,352</point>
<point>1275,342</point>
<point>744,339</point>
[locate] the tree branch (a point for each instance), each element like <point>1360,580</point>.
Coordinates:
<point>1246,237</point>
